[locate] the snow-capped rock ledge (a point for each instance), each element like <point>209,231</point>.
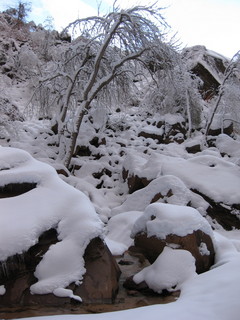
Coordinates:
<point>52,204</point>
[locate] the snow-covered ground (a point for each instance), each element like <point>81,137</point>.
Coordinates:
<point>212,295</point>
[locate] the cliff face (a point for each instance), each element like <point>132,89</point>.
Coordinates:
<point>208,65</point>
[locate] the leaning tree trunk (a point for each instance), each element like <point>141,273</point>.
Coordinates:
<point>74,134</point>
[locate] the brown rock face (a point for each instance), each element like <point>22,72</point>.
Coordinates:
<point>15,189</point>
<point>100,282</point>
<point>134,182</point>
<point>198,243</point>
<point>228,129</point>
<point>225,215</point>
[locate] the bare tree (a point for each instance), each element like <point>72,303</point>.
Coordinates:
<point>175,90</point>
<point>109,51</point>
<point>20,11</point>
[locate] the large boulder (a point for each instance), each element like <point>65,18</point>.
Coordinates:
<point>179,227</point>
<point>51,252</point>
<point>209,66</point>
<point>99,284</point>
<point>198,243</point>
<point>166,129</point>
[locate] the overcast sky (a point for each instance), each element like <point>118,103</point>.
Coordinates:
<point>213,23</point>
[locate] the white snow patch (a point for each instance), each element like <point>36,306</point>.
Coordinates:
<point>171,189</point>
<point>119,227</point>
<point>169,271</point>
<point>228,145</point>
<point>2,290</point>
<point>61,292</point>
<point>161,219</point>
<point>215,177</point>
<point>203,249</point>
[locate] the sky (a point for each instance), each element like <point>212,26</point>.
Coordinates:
<point>213,23</point>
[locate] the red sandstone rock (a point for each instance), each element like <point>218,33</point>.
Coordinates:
<point>198,243</point>
<point>99,285</point>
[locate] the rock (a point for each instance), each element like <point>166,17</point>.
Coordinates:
<point>134,182</point>
<point>82,151</point>
<point>208,66</point>
<point>167,133</point>
<point>155,135</point>
<point>99,285</point>
<point>100,282</point>
<point>142,287</point>
<point>16,189</point>
<point>175,132</point>
<point>178,227</point>
<point>228,129</point>
<point>198,243</point>
<point>3,58</point>
<point>17,272</point>
<point>193,148</point>
<point>226,215</point>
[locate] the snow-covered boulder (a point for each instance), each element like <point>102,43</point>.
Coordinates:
<point>166,129</point>
<point>219,126</point>
<point>51,238</point>
<point>170,270</point>
<point>178,227</point>
<point>166,189</point>
<point>208,65</point>
<point>211,183</point>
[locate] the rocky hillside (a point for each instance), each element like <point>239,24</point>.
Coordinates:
<point>144,188</point>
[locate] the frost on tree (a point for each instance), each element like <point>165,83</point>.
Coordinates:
<point>102,63</point>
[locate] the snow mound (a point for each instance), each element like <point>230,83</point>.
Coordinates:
<point>169,188</point>
<point>52,204</point>
<point>215,177</point>
<point>119,228</point>
<point>161,219</point>
<point>169,271</point>
<point>228,145</point>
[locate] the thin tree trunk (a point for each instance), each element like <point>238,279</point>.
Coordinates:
<point>73,139</point>
<point>228,73</point>
<point>188,114</point>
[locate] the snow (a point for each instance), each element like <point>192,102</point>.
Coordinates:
<point>169,271</point>
<point>228,145</point>
<point>61,292</point>
<point>2,290</point>
<point>203,249</point>
<point>153,130</point>
<point>118,234</point>
<point>181,195</point>
<point>52,204</point>
<point>206,57</point>
<point>211,295</point>
<point>223,177</point>
<point>70,204</point>
<point>161,219</point>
